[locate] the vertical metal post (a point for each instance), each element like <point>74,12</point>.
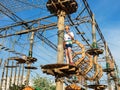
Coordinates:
<point>3,73</point>
<point>30,55</point>
<point>22,75</point>
<point>6,76</point>
<point>11,75</point>
<point>18,74</point>
<point>60,55</point>
<point>107,66</point>
<point>14,82</point>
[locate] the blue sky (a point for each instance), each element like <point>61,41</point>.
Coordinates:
<point>107,15</point>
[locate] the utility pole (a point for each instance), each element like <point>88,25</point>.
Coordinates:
<point>61,17</point>
<point>95,51</point>
<point>30,55</point>
<point>60,55</point>
<point>94,43</point>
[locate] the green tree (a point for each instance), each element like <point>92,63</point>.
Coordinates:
<point>42,83</point>
<point>16,87</point>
